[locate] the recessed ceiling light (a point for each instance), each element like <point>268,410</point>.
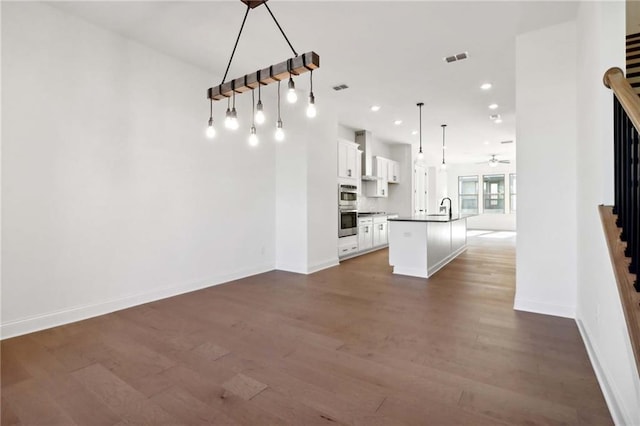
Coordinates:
<point>415,132</point>
<point>375,108</point>
<point>493,106</point>
<point>486,86</point>
<point>486,142</point>
<point>397,122</point>
<point>498,120</point>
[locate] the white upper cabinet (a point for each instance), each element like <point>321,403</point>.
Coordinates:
<point>381,168</point>
<point>376,188</point>
<point>387,170</point>
<point>393,171</point>
<point>348,160</point>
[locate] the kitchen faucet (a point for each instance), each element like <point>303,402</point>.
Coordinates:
<point>442,203</point>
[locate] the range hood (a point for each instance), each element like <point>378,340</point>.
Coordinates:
<point>365,140</point>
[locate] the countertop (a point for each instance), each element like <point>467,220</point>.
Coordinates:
<point>430,218</point>
<point>369,214</point>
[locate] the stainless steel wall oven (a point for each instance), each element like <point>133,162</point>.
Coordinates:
<point>347,210</point>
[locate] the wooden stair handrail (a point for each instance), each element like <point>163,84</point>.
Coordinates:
<point>629,298</point>
<point>615,80</point>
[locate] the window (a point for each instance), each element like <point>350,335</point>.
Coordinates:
<point>493,189</point>
<point>512,192</point>
<point>468,194</point>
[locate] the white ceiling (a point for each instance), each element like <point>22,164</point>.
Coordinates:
<point>388,52</point>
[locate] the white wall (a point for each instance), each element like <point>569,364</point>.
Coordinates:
<point>322,191</point>
<point>291,202</point>
<point>497,222</point>
<point>437,188</point>
<point>401,194</point>
<point>545,155</point>
<point>599,313</point>
<point>111,194</point>
<point>306,190</point>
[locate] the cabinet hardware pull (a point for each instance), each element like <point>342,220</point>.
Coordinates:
<point>349,172</point>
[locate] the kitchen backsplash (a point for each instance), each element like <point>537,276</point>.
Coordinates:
<point>372,204</point>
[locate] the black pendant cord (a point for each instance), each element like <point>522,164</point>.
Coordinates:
<point>236,45</point>
<point>420,107</point>
<point>253,111</point>
<point>281,30</point>
<point>279,119</point>
<point>443,129</point>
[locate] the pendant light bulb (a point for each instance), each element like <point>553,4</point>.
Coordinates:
<point>292,96</point>
<point>420,155</point>
<point>227,119</point>
<point>253,137</point>
<point>311,109</point>
<point>443,166</point>
<point>279,132</point>
<point>259,117</point>
<point>211,131</point>
<point>233,121</point>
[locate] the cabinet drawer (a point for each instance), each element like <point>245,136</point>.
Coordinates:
<point>346,250</point>
<point>365,221</point>
<point>380,219</point>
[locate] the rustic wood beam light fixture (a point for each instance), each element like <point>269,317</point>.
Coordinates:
<point>299,64</point>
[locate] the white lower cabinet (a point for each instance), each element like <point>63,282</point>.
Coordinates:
<point>347,246</point>
<point>365,233</point>
<point>380,232</point>
<point>372,234</point>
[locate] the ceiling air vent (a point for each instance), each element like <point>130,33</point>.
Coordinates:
<point>340,87</point>
<point>506,142</point>
<point>458,57</point>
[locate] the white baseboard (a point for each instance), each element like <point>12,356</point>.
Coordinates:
<point>618,415</point>
<point>412,272</point>
<point>79,313</point>
<point>329,263</point>
<point>296,269</point>
<point>544,308</point>
<point>435,268</point>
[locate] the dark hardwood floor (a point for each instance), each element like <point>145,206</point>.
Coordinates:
<point>352,344</point>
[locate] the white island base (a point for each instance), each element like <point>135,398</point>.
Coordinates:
<point>422,245</point>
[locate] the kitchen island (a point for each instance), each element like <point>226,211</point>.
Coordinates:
<point>421,245</point>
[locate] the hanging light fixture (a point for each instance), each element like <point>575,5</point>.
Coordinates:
<point>311,109</point>
<point>420,153</point>
<point>297,65</point>
<point>253,137</point>
<point>211,131</point>
<point>279,131</point>
<point>227,115</point>
<point>233,121</point>
<point>259,117</point>
<point>444,165</point>
<point>292,96</point>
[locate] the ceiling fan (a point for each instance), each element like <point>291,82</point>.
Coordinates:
<point>493,162</point>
